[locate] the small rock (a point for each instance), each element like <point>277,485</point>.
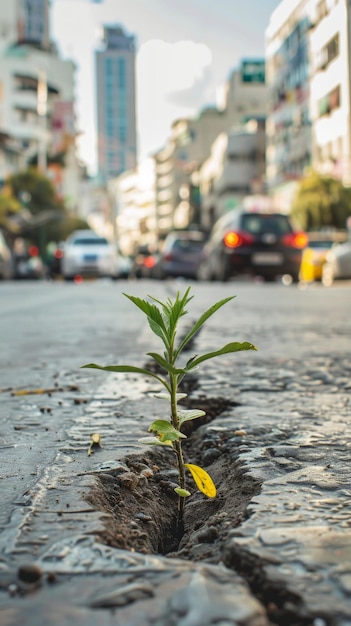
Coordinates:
<point>207,535</point>
<point>210,455</point>
<point>29,577</point>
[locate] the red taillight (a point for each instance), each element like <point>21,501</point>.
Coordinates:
<point>296,240</point>
<point>58,254</point>
<point>233,239</point>
<point>168,257</point>
<point>149,261</point>
<point>33,251</point>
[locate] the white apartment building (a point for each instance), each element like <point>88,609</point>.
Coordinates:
<point>37,94</point>
<point>330,87</point>
<point>308,73</point>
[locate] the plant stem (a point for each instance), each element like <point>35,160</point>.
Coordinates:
<point>177,446</point>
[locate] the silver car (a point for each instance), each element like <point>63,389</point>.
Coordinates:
<point>87,254</point>
<point>6,265</point>
<point>337,264</point>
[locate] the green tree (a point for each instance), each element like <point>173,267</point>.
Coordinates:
<point>321,201</point>
<point>49,219</point>
<point>10,208</point>
<point>36,191</point>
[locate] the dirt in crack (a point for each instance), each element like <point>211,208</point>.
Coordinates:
<point>140,504</point>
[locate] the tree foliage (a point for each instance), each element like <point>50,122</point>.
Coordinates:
<point>321,201</point>
<point>39,190</point>
<point>35,195</point>
<point>9,209</point>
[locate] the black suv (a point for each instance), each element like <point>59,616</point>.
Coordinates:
<point>260,244</point>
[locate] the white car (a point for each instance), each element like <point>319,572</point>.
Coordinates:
<point>85,253</point>
<point>337,264</point>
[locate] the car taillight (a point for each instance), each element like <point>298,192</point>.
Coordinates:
<point>296,240</point>
<point>58,254</point>
<point>33,251</point>
<point>168,257</point>
<point>149,261</point>
<point>234,239</point>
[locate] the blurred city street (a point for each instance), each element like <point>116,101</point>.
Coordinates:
<point>288,560</point>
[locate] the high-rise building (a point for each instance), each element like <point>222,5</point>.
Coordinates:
<point>33,22</point>
<point>309,74</point>
<point>116,108</point>
<point>37,96</point>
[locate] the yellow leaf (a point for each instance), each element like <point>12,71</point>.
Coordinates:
<point>95,438</point>
<point>202,480</point>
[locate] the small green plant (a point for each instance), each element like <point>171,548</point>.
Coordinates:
<point>163,318</point>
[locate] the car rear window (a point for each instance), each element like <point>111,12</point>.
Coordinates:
<point>187,245</point>
<point>258,224</point>
<point>90,241</point>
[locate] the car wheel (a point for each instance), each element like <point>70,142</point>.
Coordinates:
<point>223,274</point>
<point>327,275</point>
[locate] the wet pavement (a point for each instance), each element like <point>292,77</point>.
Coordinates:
<point>293,403</point>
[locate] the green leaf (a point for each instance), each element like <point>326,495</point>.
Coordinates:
<point>154,317</point>
<point>154,441</point>
<point>174,310</point>
<point>166,431</point>
<point>184,493</point>
<point>186,416</point>
<point>202,479</point>
<point>165,364</point>
<point>202,319</point>
<point>235,346</point>
<point>126,369</point>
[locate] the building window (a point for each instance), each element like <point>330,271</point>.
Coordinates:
<point>121,73</point>
<point>122,133</point>
<point>329,52</point>
<point>330,102</point>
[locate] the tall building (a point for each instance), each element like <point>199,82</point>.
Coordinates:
<point>116,103</point>
<point>289,143</point>
<point>37,96</point>
<point>330,88</point>
<point>33,22</point>
<point>309,72</point>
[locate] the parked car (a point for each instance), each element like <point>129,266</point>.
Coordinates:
<point>27,261</point>
<point>181,254</point>
<point>145,263</point>
<point>260,244</point>
<point>337,264</point>
<point>87,254</point>
<point>315,254</point>
<point>6,264</point>
<point>125,264</point>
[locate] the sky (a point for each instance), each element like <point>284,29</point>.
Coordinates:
<point>186,50</point>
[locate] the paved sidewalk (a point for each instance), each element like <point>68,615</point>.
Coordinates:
<point>293,404</point>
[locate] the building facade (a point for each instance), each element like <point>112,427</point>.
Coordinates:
<point>178,164</point>
<point>289,136</point>
<point>234,171</point>
<point>116,103</point>
<point>37,96</point>
<point>308,71</point>
<point>330,48</point>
